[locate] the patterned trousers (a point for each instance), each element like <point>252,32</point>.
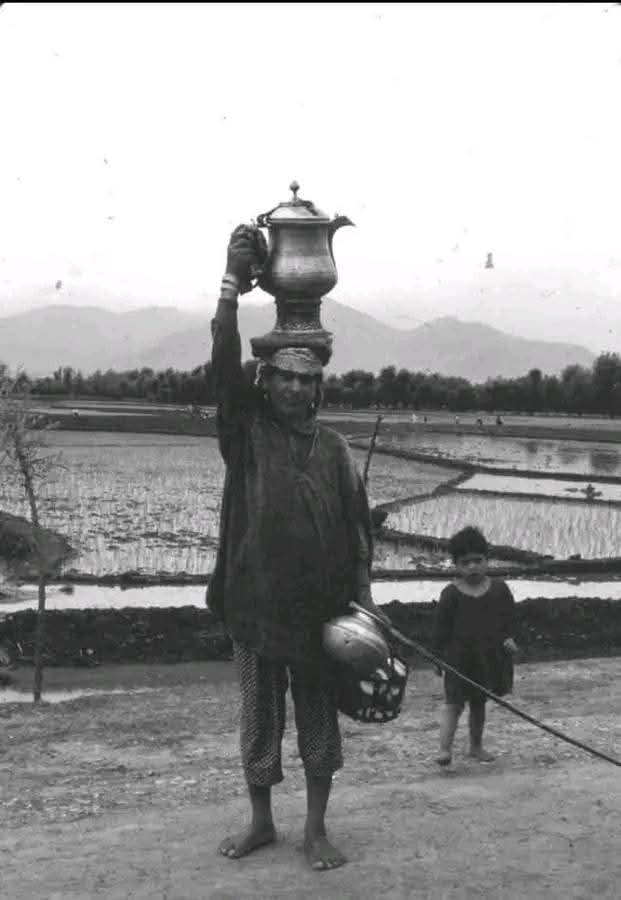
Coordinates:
<point>263,686</point>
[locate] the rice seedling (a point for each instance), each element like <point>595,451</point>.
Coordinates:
<point>391,478</point>
<point>559,528</point>
<point>152,503</point>
<point>128,505</point>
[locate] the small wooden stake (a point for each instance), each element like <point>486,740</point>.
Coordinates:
<point>370,451</point>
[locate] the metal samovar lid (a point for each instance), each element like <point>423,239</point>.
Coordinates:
<point>295,211</point>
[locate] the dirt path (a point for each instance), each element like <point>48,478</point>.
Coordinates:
<point>126,796</point>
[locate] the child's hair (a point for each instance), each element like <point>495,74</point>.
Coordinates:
<point>468,540</point>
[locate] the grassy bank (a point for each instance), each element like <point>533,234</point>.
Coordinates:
<point>546,628</point>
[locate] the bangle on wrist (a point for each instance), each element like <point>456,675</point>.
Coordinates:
<point>229,289</point>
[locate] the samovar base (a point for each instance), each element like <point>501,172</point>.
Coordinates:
<point>297,325</point>
<point>318,340</point>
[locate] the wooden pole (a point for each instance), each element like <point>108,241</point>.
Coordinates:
<point>371,449</point>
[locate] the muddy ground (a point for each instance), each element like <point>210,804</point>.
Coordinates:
<point>127,795</point>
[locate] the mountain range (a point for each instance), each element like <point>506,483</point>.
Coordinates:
<point>91,337</point>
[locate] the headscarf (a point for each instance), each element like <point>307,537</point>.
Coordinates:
<point>302,360</point>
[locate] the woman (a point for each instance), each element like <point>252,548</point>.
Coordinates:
<point>295,549</point>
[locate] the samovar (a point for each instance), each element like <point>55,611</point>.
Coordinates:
<point>298,272</point>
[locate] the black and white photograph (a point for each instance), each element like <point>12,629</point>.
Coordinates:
<point>310,451</point>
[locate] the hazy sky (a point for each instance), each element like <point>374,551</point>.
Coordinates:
<point>134,137</point>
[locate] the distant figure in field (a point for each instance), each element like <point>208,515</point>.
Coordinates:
<point>473,633</point>
<point>591,493</point>
<point>414,418</point>
<point>480,422</point>
<point>457,420</point>
<point>499,420</point>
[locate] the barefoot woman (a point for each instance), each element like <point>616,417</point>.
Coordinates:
<point>295,549</point>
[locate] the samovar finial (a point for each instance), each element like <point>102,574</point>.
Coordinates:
<point>294,187</point>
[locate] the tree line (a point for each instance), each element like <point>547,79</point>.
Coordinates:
<point>577,389</point>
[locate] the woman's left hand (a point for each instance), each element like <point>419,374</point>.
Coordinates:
<point>510,645</point>
<point>365,600</point>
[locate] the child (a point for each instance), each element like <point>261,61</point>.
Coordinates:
<point>473,633</point>
<point>295,549</point>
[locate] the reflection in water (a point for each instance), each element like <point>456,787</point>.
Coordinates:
<point>426,591</point>
<point>419,590</point>
<point>10,695</point>
<point>580,457</point>
<point>549,487</point>
<point>567,453</point>
<point>605,461</point>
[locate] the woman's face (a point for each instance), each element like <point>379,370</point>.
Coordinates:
<point>291,394</point>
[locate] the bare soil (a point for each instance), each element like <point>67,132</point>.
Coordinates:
<point>127,795</point>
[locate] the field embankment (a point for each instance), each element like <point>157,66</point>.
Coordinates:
<point>155,418</point>
<point>547,628</point>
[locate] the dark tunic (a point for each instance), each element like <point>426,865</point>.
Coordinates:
<point>469,634</point>
<point>295,536</point>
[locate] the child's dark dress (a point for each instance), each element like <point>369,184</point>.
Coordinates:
<point>469,634</point>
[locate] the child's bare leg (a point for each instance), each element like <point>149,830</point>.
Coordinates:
<point>261,830</point>
<point>448,727</point>
<point>476,722</point>
<point>321,854</point>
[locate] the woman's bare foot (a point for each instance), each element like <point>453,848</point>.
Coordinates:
<point>245,842</point>
<point>481,755</point>
<point>321,854</point>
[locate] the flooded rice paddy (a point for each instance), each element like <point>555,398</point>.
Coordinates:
<point>151,503</point>
<point>543,487</point>
<point>555,527</point>
<point>593,458</point>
